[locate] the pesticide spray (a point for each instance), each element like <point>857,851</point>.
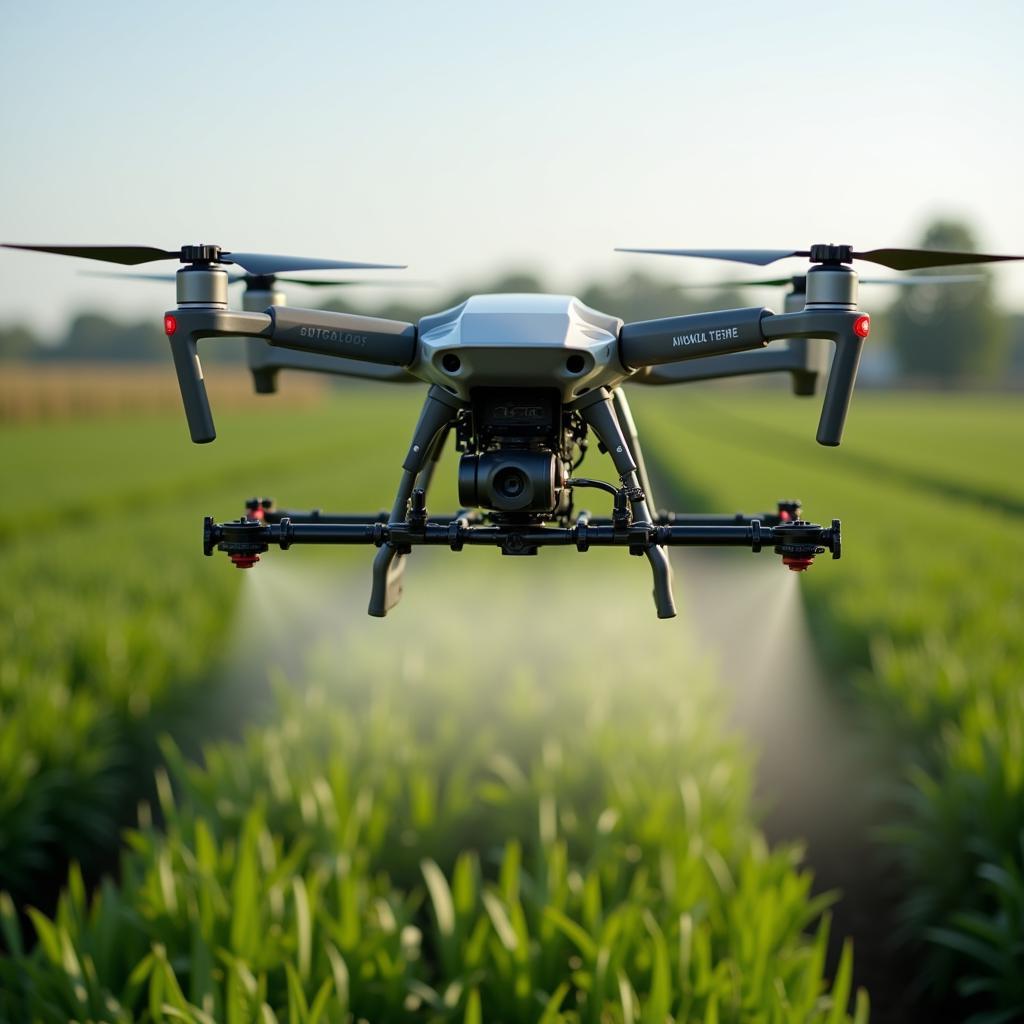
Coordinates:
<point>740,651</point>
<point>749,619</point>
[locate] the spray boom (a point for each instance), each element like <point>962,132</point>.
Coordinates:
<point>263,526</point>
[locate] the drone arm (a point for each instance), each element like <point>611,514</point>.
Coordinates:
<point>366,339</point>
<point>679,339</point>
<point>265,361</point>
<point>362,338</point>
<point>803,358</point>
<point>676,338</point>
<point>735,364</point>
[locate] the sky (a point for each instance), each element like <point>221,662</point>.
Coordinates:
<point>464,138</point>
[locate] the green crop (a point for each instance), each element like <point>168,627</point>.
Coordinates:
<point>109,623</point>
<point>540,844</point>
<point>922,616</point>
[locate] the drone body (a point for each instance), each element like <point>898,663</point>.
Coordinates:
<point>522,382</point>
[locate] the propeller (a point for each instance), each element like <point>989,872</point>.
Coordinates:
<point>261,264</point>
<point>894,259</point>
<point>263,280</point>
<point>798,280</point>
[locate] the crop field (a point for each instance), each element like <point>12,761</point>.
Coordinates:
<point>519,797</point>
<point>61,391</point>
<point>920,623</point>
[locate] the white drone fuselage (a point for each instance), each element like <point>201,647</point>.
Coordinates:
<point>520,340</point>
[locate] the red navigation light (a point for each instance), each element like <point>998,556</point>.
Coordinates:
<point>862,326</point>
<point>171,324</point>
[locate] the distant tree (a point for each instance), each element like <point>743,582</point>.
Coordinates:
<point>94,337</point>
<point>17,342</point>
<point>639,296</point>
<point>949,333</point>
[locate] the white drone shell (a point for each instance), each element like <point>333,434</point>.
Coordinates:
<point>537,341</point>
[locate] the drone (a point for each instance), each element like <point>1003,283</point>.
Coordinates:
<point>522,381</point>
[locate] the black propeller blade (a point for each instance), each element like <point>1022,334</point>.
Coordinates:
<point>262,264</point>
<point>781,282</point>
<point>895,259</point>
<point>919,259</point>
<point>129,255</point>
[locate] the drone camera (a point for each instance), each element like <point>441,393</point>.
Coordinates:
<point>513,462</point>
<point>511,481</point>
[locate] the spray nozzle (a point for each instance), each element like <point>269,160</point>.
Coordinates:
<point>242,540</point>
<point>799,542</point>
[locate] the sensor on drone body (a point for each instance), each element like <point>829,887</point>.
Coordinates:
<point>522,382</point>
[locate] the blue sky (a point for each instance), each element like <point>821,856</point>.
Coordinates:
<point>466,137</point>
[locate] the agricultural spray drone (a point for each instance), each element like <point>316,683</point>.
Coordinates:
<point>521,381</point>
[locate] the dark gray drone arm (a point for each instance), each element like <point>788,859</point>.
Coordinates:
<point>362,338</point>
<point>799,359</point>
<point>682,338</point>
<point>266,362</point>
<point>674,339</point>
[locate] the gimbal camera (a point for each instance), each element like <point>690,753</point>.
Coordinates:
<point>522,382</point>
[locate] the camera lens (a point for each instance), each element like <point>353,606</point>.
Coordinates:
<point>519,481</point>
<point>510,483</point>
